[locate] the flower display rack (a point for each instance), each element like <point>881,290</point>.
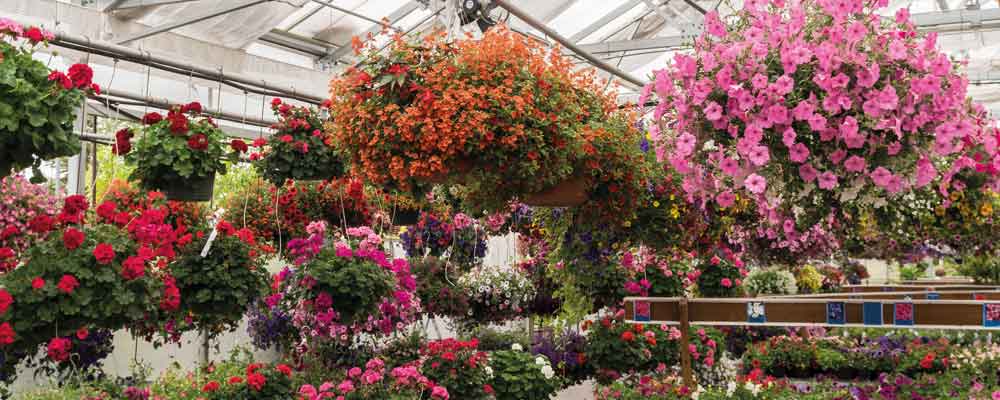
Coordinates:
<point>970,307</point>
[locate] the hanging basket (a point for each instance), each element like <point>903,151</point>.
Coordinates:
<point>193,189</point>
<point>405,217</point>
<point>570,193</point>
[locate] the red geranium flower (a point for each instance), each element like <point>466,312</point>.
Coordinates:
<point>58,349</point>
<point>259,142</point>
<point>82,333</point>
<point>34,34</point>
<point>178,123</point>
<point>81,74</point>
<point>628,336</point>
<point>73,238</point>
<point>61,79</point>
<point>75,204</point>
<point>133,268</point>
<point>152,118</point>
<point>37,283</point>
<point>275,102</point>
<point>9,231</point>
<point>123,142</point>
<point>210,387</point>
<point>5,301</point>
<point>285,369</point>
<point>198,142</point>
<point>67,284</point>
<point>239,146</point>
<point>40,224</point>
<point>192,107</point>
<point>6,334</point>
<point>107,210</point>
<point>104,253</point>
<point>286,138</point>
<point>256,381</point>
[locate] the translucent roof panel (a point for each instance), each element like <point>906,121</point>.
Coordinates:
<point>581,14</point>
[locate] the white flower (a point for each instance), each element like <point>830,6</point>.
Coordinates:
<point>730,388</point>
<point>516,347</point>
<point>541,360</point>
<point>489,371</point>
<point>548,372</point>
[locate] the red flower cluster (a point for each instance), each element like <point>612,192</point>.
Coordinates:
<point>239,146</point>
<point>81,75</point>
<point>179,123</point>
<point>73,238</point>
<point>38,283</point>
<point>104,253</point>
<point>123,142</point>
<point>133,268</point>
<point>5,301</point>
<point>152,118</point>
<point>58,349</point>
<point>928,361</point>
<point>7,334</point>
<point>73,210</point>
<point>67,284</point>
<point>198,142</point>
<point>41,224</point>
<point>171,300</point>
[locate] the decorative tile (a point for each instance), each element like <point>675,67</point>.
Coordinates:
<point>903,314</point>
<point>836,313</point>
<point>642,310</point>
<point>756,313</point>
<point>991,315</point>
<point>871,312</point>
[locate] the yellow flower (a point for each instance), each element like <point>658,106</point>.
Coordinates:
<point>675,213</point>
<point>656,203</point>
<point>939,211</point>
<point>628,224</point>
<point>402,229</point>
<point>986,210</point>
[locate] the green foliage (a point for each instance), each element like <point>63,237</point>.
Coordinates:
<point>491,339</point>
<point>713,279</point>
<point>982,268</point>
<point>912,272</point>
<point>356,285</point>
<point>36,114</point>
<point>217,289</point>
<point>519,375</point>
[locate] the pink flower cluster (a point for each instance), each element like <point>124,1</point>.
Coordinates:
<point>372,381</point>
<point>812,107</point>
<point>646,268</point>
<point>20,202</point>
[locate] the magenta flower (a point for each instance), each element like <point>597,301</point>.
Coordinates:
<point>756,184</point>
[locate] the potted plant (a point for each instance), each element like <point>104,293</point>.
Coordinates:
<point>95,276</point>
<point>298,149</point>
<point>345,287</point>
<point>217,288</point>
<point>504,116</point>
<point>181,154</point>
<point>37,106</point>
<point>458,366</point>
<point>517,374</point>
<point>20,203</point>
<point>720,278</point>
<point>817,141</point>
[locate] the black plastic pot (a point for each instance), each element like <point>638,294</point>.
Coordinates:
<point>405,217</point>
<point>194,189</point>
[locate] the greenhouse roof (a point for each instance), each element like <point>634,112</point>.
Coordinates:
<point>299,44</point>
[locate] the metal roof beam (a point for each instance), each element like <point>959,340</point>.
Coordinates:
<point>298,43</point>
<point>126,4</point>
<point>171,26</point>
<point>393,17</point>
<point>606,19</point>
<point>357,15</point>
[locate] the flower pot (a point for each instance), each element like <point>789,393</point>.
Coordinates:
<point>193,189</point>
<point>570,193</point>
<point>405,217</point>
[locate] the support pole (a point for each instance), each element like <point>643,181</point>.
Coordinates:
<point>528,19</point>
<point>686,371</point>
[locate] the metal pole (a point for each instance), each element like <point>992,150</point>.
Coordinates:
<point>569,44</point>
<point>85,44</point>
<point>352,13</point>
<point>168,27</point>
<point>165,104</point>
<point>686,371</point>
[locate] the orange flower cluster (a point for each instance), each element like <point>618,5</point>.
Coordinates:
<point>516,111</point>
